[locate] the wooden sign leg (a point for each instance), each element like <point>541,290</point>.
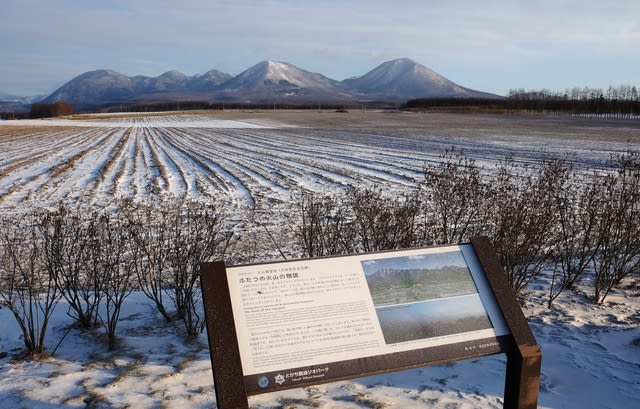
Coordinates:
<point>223,342</point>
<point>522,378</point>
<point>524,360</point>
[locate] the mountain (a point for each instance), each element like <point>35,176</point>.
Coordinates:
<point>168,82</point>
<point>13,106</point>
<point>209,80</point>
<point>396,286</point>
<point>16,98</point>
<point>280,81</point>
<point>103,88</point>
<point>405,79</point>
<point>13,103</point>
<point>97,88</point>
<point>266,82</point>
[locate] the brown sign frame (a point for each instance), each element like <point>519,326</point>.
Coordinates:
<point>524,358</point>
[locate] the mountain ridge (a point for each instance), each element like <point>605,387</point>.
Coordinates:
<point>265,82</point>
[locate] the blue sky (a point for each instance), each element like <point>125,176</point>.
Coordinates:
<point>488,45</point>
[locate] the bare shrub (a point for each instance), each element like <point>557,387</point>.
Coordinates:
<point>358,220</point>
<point>198,233</point>
<point>97,259</point>
<point>27,287</point>
<point>325,226</point>
<point>523,217</point>
<point>89,257</point>
<point>72,248</point>
<point>455,196</point>
<point>618,227</point>
<point>114,263</point>
<point>577,206</point>
<point>149,229</point>
<point>382,222</point>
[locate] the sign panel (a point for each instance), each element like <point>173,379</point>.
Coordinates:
<point>316,320</point>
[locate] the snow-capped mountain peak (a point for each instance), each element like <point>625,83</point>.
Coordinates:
<point>269,73</point>
<point>406,77</point>
<point>395,68</point>
<point>268,81</point>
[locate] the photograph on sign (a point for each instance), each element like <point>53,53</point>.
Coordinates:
<point>424,296</point>
<point>302,320</point>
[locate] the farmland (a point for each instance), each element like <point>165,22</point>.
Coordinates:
<point>244,157</point>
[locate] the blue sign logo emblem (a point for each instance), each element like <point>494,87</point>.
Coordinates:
<point>263,382</point>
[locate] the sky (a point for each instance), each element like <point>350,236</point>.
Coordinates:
<point>487,45</point>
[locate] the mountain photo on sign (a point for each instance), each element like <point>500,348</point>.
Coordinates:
<point>425,296</point>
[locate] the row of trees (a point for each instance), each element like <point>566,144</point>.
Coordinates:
<point>547,218</point>
<point>619,93</point>
<point>37,111</point>
<point>94,260</point>
<point>222,105</point>
<point>42,110</point>
<point>620,102</point>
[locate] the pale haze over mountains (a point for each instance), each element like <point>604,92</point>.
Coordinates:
<point>394,81</point>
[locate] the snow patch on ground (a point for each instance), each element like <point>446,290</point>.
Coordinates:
<point>590,360</point>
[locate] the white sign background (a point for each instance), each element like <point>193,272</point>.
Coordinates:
<point>317,311</point>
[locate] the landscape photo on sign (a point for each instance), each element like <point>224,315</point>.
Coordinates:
<point>424,296</point>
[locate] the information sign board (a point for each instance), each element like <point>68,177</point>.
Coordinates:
<point>295,323</point>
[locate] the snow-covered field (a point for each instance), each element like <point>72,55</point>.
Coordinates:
<point>591,353</point>
<point>245,157</point>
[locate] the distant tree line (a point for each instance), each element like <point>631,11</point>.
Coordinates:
<point>164,106</point>
<point>457,104</point>
<point>41,110</point>
<point>58,108</point>
<point>12,115</point>
<point>622,101</point>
